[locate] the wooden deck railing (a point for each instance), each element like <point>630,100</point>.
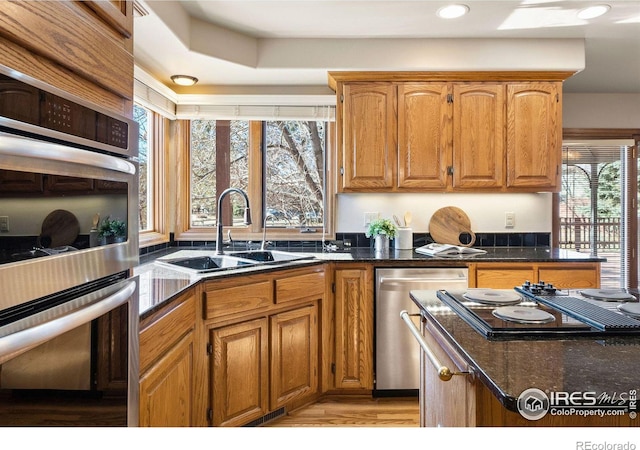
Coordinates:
<point>577,234</point>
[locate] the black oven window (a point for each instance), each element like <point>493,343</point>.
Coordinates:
<point>43,214</point>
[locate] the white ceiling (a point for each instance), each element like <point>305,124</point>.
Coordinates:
<point>262,46</point>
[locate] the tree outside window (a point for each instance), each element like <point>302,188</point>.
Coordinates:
<point>293,155</point>
<point>294,173</point>
<point>141,115</point>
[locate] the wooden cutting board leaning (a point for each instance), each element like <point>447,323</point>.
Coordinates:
<point>59,228</point>
<point>448,224</point>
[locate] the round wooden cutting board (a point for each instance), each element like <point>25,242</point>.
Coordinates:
<point>448,223</point>
<point>59,228</point>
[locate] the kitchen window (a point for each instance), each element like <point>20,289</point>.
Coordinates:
<point>152,149</point>
<point>281,164</point>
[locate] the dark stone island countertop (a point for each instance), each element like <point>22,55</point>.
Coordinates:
<point>159,284</point>
<point>508,367</point>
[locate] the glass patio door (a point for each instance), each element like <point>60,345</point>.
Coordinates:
<point>594,211</point>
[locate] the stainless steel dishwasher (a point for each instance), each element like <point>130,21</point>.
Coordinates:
<point>397,354</point>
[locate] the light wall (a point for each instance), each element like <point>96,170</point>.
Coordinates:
<point>601,111</point>
<point>486,211</point>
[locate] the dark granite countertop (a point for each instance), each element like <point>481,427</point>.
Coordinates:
<point>509,367</point>
<point>494,254</point>
<point>159,284</point>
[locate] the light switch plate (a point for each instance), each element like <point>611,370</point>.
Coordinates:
<point>509,219</point>
<point>370,217</point>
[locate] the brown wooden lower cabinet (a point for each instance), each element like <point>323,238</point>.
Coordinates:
<point>168,365</point>
<point>568,275</point>
<point>265,344</point>
<point>261,365</point>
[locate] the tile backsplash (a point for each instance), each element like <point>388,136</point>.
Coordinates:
<point>346,240</point>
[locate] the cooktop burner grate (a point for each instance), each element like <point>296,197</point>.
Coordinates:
<point>595,316</point>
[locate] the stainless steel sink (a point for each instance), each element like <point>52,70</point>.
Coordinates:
<point>203,261</point>
<point>267,256</point>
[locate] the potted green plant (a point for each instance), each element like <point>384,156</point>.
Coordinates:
<point>112,230</point>
<point>382,230</point>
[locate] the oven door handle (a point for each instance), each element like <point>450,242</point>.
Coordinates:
<point>11,145</point>
<point>21,341</point>
<point>444,373</point>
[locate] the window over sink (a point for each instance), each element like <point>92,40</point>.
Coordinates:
<point>279,163</point>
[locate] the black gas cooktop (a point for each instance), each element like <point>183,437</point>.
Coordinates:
<point>569,316</point>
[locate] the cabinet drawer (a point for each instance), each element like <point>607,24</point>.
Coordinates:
<point>238,299</point>
<point>504,278</point>
<point>571,277</point>
<point>157,338</point>
<point>299,287</point>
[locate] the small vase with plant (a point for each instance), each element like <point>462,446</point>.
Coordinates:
<point>382,230</point>
<point>112,230</point>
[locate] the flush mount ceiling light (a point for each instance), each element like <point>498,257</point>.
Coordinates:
<point>452,11</point>
<point>593,11</point>
<point>184,80</point>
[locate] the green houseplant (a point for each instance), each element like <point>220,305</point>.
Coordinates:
<point>382,230</point>
<point>112,230</point>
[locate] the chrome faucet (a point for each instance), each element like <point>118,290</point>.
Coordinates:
<point>247,215</point>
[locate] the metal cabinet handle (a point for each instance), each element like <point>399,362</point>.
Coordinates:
<point>444,373</point>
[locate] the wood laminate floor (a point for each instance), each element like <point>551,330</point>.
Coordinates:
<point>353,411</point>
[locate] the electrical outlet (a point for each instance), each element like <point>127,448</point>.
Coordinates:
<point>370,217</point>
<point>4,224</point>
<point>509,219</point>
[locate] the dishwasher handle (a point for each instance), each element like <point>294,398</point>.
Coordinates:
<point>444,373</point>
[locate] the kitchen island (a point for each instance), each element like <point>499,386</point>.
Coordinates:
<point>586,381</point>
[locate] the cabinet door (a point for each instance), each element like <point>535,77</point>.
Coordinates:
<point>354,329</point>
<point>369,137</point>
<point>478,136</point>
<point>15,182</point>
<point>534,135</point>
<point>424,136</point>
<point>240,369</point>
<point>118,14</point>
<point>166,390</point>
<point>169,382</point>
<point>294,355</point>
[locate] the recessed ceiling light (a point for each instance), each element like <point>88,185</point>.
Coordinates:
<point>452,11</point>
<point>593,11</point>
<point>184,80</point>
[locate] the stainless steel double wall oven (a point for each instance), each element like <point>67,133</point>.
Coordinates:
<point>68,243</point>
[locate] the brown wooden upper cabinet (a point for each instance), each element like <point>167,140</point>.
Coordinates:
<point>84,48</point>
<point>449,131</point>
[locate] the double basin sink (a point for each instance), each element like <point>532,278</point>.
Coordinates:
<point>206,261</point>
